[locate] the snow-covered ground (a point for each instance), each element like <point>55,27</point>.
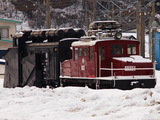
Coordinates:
<point>77,103</point>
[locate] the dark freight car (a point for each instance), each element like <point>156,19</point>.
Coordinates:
<point>35,57</point>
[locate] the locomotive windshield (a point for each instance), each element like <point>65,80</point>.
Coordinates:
<point>80,52</point>
<point>131,49</point>
<point>102,53</point>
<point>91,53</point>
<point>116,49</point>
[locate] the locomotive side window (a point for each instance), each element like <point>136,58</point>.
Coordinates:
<point>80,52</point>
<point>85,52</point>
<point>91,53</point>
<point>76,54</point>
<point>116,49</point>
<point>102,53</point>
<point>131,49</point>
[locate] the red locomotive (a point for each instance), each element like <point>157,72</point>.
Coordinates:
<point>107,61</point>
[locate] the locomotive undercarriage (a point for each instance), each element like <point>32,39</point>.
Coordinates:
<point>102,83</point>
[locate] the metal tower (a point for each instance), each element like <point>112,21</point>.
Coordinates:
<point>126,12</point>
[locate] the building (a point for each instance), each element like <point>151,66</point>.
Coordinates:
<point>157,49</point>
<point>7,28</point>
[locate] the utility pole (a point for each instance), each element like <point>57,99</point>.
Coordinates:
<point>87,14</point>
<point>94,9</point>
<point>48,18</point>
<point>138,20</point>
<point>152,32</point>
<point>142,28</point>
<point>154,28</point>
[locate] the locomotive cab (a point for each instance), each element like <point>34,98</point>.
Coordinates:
<point>107,62</point>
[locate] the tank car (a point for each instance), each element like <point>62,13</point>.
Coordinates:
<point>107,60</point>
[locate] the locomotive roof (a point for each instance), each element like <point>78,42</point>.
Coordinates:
<point>93,42</point>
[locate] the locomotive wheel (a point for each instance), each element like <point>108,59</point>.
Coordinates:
<point>62,83</point>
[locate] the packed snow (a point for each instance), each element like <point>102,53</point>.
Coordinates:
<point>134,59</point>
<point>77,103</point>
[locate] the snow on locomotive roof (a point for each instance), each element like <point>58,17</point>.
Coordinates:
<point>104,25</point>
<point>108,21</point>
<point>91,42</point>
<point>84,43</point>
<point>134,59</point>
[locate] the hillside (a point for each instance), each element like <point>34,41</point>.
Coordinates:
<point>65,13</point>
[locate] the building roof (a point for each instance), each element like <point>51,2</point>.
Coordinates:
<point>7,20</point>
<point>5,40</point>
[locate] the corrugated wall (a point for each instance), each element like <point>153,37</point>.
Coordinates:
<point>157,50</point>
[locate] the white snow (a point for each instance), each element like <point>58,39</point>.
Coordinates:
<point>77,103</point>
<point>134,59</point>
<point>84,43</point>
<point>2,60</point>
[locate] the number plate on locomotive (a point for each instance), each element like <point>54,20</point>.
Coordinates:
<point>130,68</point>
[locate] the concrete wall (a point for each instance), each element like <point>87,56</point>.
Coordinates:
<point>5,45</point>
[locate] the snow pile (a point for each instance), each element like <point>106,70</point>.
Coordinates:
<point>134,59</point>
<point>77,103</point>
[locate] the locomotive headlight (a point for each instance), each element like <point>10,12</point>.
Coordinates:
<point>118,35</point>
